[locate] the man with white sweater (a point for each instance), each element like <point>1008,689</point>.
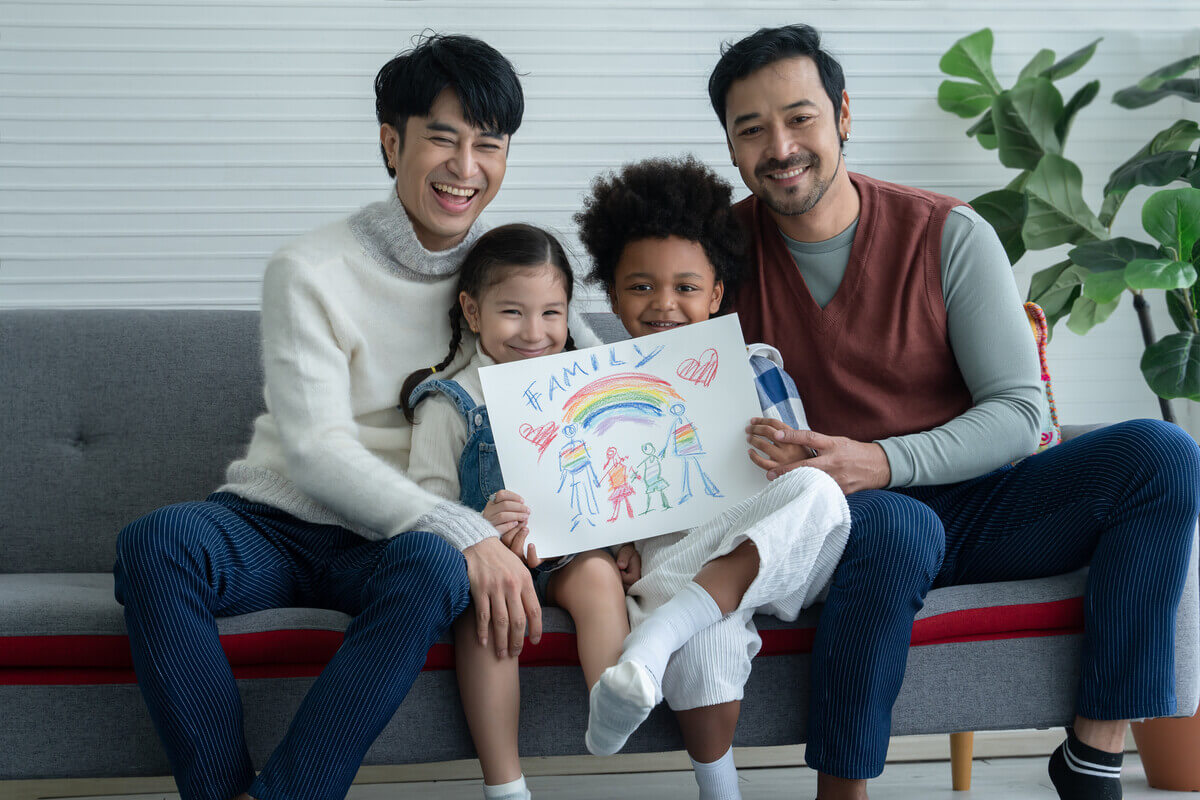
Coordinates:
<point>319,512</point>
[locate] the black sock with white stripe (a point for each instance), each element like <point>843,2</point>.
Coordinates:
<point>1080,772</point>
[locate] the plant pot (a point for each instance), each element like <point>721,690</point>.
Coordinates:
<point>1169,748</point>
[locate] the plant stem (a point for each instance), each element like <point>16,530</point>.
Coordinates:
<point>1143,312</point>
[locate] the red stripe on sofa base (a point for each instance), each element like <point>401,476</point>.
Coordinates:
<point>84,660</point>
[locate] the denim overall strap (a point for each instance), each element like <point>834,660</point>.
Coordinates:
<point>458,395</point>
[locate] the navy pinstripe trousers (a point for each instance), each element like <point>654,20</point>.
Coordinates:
<point>180,567</point>
<point>1123,499</point>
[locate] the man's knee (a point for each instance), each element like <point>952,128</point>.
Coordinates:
<point>894,534</point>
<point>421,564</point>
<point>162,538</point>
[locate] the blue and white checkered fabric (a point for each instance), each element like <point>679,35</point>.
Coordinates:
<point>777,393</point>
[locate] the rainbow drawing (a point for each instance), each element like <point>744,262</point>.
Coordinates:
<point>625,397</point>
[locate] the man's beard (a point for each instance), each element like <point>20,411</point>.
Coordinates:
<point>793,205</point>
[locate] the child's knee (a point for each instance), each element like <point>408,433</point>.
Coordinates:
<point>589,574</point>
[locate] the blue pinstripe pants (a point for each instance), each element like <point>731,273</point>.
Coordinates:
<point>1123,499</point>
<point>180,567</point>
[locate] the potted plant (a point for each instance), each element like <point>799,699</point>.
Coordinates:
<point>1043,206</point>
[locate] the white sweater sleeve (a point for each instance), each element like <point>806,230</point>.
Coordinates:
<point>306,364</point>
<point>438,438</point>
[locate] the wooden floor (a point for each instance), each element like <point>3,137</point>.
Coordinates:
<point>1008,765</point>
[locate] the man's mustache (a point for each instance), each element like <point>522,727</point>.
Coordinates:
<point>772,165</point>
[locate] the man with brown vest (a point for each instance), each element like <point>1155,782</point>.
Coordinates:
<point>896,312</point>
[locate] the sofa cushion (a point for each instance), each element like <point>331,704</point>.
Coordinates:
<point>69,629</point>
<point>118,412</point>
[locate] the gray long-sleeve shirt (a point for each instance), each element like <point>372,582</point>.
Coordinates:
<point>992,344</point>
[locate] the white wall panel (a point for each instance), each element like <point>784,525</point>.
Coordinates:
<point>155,153</point>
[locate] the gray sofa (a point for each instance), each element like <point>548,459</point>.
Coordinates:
<point>106,414</point>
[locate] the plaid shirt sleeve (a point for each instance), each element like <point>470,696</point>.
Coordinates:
<point>777,393</point>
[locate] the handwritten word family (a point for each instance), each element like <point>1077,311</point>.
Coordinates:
<point>560,380</point>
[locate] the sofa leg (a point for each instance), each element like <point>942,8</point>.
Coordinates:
<point>961,747</point>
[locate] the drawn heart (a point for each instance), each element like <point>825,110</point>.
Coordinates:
<point>539,437</point>
<point>699,371</point>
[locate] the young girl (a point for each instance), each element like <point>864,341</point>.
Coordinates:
<point>513,291</point>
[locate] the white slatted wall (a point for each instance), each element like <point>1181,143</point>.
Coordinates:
<point>154,153</point>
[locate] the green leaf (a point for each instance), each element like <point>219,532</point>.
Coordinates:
<point>1156,170</point>
<point>963,99</point>
<point>1177,307</point>
<point>1037,66</point>
<point>1025,117</point>
<point>1017,184</point>
<point>1133,97</point>
<point>1154,86</point>
<point>1178,136</point>
<point>1057,214</point>
<point>1171,366</point>
<point>1055,288</point>
<point>984,130</point>
<point>1004,211</point>
<point>1086,314</point>
<point>1172,217</point>
<point>1072,63</point>
<point>1104,287</point>
<point>1086,94</point>
<point>971,57</point>
<point>1159,273</point>
<point>1111,254</point>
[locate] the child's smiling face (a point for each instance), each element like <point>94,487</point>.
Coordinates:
<point>662,283</point>
<point>523,316</point>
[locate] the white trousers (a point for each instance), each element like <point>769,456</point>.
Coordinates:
<point>799,524</point>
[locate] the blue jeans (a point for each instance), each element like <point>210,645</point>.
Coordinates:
<point>181,567</point>
<point>1123,499</point>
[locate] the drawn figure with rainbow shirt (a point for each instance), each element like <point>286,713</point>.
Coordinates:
<point>618,481</point>
<point>573,460</point>
<point>685,445</point>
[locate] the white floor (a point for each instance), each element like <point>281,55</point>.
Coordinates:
<point>993,779</point>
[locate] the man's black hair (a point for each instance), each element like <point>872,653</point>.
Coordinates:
<point>485,82</point>
<point>766,46</point>
<point>657,198</point>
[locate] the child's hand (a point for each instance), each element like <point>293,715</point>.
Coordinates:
<point>516,542</point>
<point>629,562</point>
<point>506,511</point>
<point>770,453</point>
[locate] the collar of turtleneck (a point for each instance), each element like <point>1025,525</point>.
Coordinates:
<point>386,233</point>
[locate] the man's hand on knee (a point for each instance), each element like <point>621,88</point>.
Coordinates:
<point>854,465</point>
<point>505,602</point>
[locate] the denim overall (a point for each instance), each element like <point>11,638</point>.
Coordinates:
<point>479,475</point>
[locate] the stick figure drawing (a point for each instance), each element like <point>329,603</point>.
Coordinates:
<point>574,460</point>
<point>649,469</point>
<point>618,482</point>
<point>684,443</point>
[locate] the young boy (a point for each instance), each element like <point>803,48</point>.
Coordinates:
<point>666,247</point>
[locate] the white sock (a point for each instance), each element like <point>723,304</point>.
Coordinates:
<point>513,790</point>
<point>718,780</point>
<point>669,628</point>
<point>619,702</point>
<point>627,693</point>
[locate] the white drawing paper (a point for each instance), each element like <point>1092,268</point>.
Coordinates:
<point>627,440</point>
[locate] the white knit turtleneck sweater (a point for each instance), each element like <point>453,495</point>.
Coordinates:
<point>348,312</point>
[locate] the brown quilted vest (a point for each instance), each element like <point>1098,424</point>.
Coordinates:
<point>876,361</point>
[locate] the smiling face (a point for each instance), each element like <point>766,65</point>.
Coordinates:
<point>786,140</point>
<point>660,284</point>
<point>522,316</point>
<point>447,170</point>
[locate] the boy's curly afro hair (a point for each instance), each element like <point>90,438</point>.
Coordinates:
<point>657,198</point>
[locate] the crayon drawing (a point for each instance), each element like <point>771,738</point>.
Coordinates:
<point>626,420</point>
